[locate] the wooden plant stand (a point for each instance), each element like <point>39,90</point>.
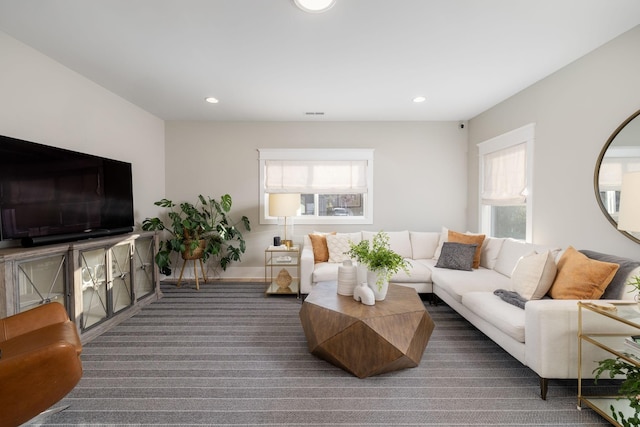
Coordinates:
<point>195,271</point>
<point>196,254</point>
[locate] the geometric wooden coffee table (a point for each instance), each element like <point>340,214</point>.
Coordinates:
<point>366,340</point>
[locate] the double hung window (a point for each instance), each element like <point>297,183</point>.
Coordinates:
<point>505,184</point>
<point>335,185</point>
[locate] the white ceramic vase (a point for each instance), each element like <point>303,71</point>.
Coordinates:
<point>380,292</point>
<point>347,278</point>
<point>364,294</point>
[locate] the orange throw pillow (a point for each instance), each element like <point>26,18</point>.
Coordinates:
<point>454,236</point>
<point>320,248</point>
<point>580,277</point>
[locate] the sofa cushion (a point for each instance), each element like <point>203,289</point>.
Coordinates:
<point>444,236</point>
<point>325,272</point>
<point>458,282</point>
<point>424,244</point>
<point>476,239</point>
<point>419,272</point>
<point>492,309</point>
<point>490,251</point>
<point>338,246</point>
<point>533,275</point>
<point>399,241</point>
<point>457,256</point>
<point>556,252</point>
<point>510,252</point>
<point>580,277</point>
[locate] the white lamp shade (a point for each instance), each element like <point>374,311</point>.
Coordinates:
<point>629,215</point>
<point>283,204</point>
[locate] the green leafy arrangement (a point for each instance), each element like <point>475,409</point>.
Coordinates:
<point>188,223</point>
<point>629,389</point>
<point>378,257</point>
<point>635,282</point>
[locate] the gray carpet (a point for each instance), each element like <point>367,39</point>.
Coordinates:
<point>226,355</point>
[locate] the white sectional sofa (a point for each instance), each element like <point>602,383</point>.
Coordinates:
<point>542,334</point>
<point>417,247</point>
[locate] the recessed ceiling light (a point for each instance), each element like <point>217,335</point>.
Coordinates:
<point>419,99</point>
<point>314,6</point>
<point>211,100</point>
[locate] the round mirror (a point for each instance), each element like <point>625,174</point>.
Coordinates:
<point>621,154</point>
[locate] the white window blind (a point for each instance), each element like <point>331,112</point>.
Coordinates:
<point>610,175</point>
<point>616,162</point>
<point>325,178</point>
<point>505,176</point>
<point>316,176</point>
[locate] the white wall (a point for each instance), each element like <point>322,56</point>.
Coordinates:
<point>419,172</point>
<point>42,101</point>
<point>575,111</point>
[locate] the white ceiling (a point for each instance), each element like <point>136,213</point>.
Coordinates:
<point>266,60</point>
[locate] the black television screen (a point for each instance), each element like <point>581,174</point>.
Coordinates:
<point>49,194</point>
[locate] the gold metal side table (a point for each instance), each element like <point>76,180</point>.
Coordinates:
<point>624,318</point>
<point>282,270</point>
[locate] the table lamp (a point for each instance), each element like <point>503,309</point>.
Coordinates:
<point>284,205</point>
<point>629,214</point>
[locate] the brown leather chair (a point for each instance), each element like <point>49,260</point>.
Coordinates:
<point>39,362</point>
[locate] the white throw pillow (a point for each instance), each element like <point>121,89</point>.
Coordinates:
<point>338,244</point>
<point>534,274</point>
<point>510,252</point>
<point>354,238</point>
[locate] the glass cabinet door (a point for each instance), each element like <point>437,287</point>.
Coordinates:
<point>143,279</point>
<point>121,292</point>
<point>106,283</point>
<point>94,287</point>
<point>41,281</point>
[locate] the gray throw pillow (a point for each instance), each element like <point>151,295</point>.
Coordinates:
<point>457,256</point>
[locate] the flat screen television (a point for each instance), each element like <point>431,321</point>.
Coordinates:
<point>50,195</point>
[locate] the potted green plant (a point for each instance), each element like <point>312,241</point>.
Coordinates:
<point>629,388</point>
<point>198,230</point>
<point>635,282</point>
<point>380,260</point>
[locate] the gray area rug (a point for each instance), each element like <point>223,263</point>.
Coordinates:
<point>228,355</point>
